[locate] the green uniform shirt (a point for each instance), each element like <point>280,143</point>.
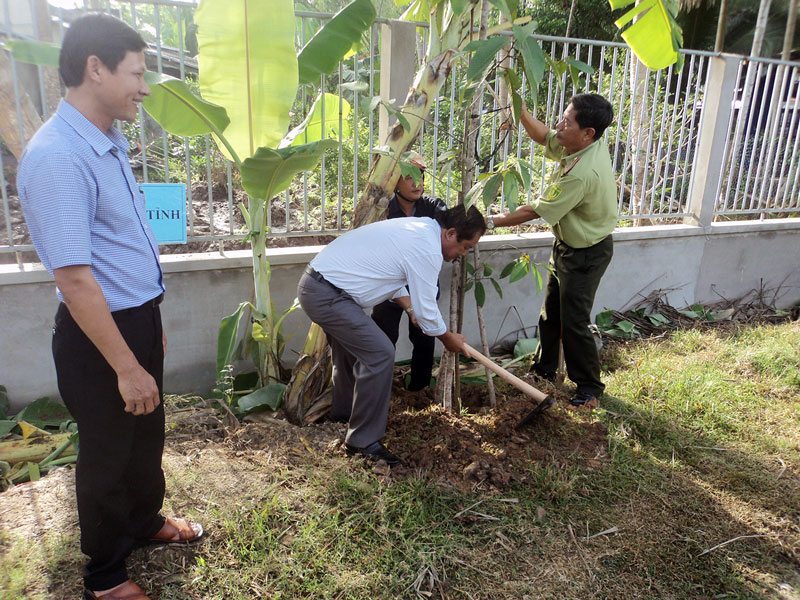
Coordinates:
<point>580,204</point>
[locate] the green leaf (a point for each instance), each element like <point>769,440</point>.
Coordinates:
<point>458,6</point>
<point>657,318</point>
<point>485,52</point>
<point>267,397</point>
<point>355,86</point>
<point>44,412</point>
<point>626,326</point>
<point>513,82</point>
<point>525,174</point>
<point>269,171</point>
<point>537,277</point>
<point>370,104</point>
<point>34,473</point>
<point>580,65</point>
<point>248,65</point>
<point>179,110</point>
<point>475,191</point>
<point>532,56</point>
<point>511,190</point>
<point>35,52</point>
<point>603,320</point>
<point>525,346</point>
<point>516,105</point>
<point>323,52</point>
<point>470,268</point>
<point>491,188</point>
<point>649,28</point>
<point>480,293</point>
<point>497,287</point>
<point>503,7</point>
<point>407,169</point>
<point>227,336</point>
<point>507,269</point>
<point>398,115</point>
<point>310,130</point>
<point>519,271</point>
<point>487,269</point>
<point>6,426</point>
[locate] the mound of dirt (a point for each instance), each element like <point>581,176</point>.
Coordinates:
<point>477,446</point>
<point>480,445</point>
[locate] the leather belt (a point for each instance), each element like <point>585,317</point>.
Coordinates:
<point>314,274</point>
<point>149,304</point>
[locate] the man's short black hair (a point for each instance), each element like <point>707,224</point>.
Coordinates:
<point>101,35</point>
<point>592,110</point>
<point>467,223</point>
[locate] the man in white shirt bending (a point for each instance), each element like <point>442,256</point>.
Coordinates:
<point>361,269</point>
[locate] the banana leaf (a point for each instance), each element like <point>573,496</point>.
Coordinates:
<point>248,65</point>
<point>654,37</point>
<point>269,171</point>
<point>179,110</point>
<point>310,130</point>
<point>267,397</point>
<point>35,52</point>
<point>331,43</point>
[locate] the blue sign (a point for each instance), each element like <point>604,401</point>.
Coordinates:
<point>165,206</point>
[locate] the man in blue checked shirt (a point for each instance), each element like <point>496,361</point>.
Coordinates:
<point>86,216</point>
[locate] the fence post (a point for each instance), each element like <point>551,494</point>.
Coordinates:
<point>709,158</point>
<point>398,66</point>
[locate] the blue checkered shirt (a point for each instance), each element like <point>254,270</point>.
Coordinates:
<point>84,207</point>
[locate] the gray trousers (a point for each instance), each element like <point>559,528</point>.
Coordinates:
<point>363,359</point>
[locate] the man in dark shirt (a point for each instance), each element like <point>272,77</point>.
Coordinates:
<point>408,201</point>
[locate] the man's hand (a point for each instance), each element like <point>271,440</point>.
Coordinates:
<point>454,342</point>
<point>139,391</point>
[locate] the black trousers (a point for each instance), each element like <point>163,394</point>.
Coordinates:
<point>119,481</point>
<point>566,313</point>
<point>387,315</point>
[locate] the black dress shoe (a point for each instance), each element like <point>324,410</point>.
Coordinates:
<point>375,451</point>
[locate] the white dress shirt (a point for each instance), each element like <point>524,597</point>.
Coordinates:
<point>376,262</point>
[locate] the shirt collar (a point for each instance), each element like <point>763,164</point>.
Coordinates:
<point>579,153</point>
<point>99,141</point>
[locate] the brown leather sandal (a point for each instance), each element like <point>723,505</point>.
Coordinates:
<point>127,591</point>
<point>178,531</point>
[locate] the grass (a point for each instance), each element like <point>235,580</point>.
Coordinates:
<point>696,496</point>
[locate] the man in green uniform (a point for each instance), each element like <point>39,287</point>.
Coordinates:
<point>580,204</point>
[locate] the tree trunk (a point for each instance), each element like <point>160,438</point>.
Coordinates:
<point>448,368</point>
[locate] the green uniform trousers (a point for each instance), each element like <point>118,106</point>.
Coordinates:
<point>566,313</point>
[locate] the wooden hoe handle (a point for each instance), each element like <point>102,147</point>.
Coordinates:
<point>522,386</point>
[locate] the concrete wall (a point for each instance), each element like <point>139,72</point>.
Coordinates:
<point>691,264</point>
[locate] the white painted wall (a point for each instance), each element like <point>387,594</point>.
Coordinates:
<point>695,264</point>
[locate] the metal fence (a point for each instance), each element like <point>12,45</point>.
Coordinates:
<point>762,151</point>
<point>652,141</point>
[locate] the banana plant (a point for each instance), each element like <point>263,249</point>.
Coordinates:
<point>255,78</point>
